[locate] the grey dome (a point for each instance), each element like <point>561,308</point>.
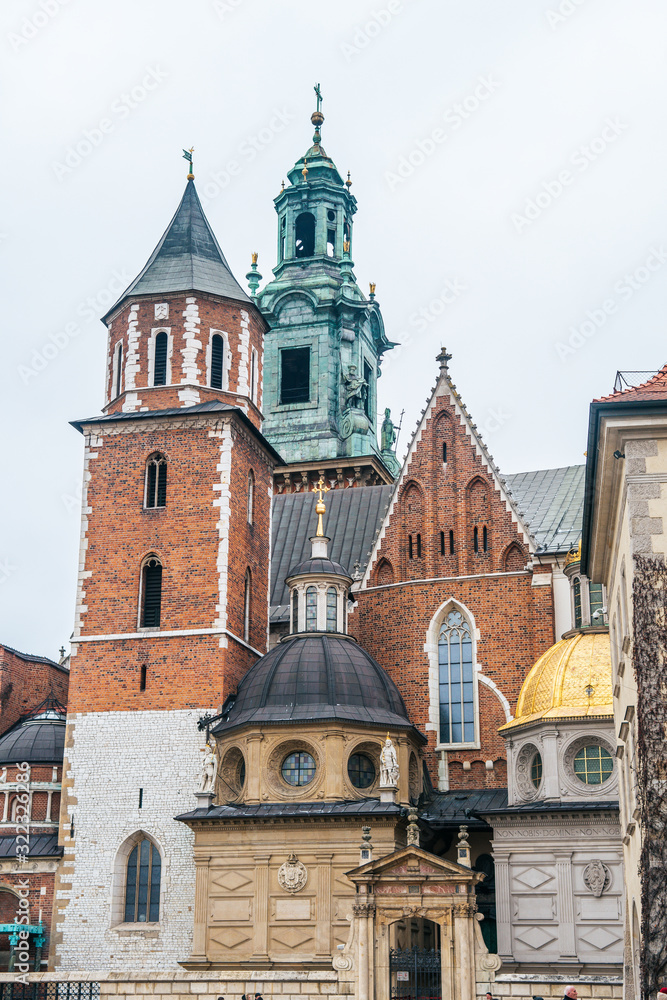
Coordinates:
<point>39,740</point>
<point>319,566</point>
<point>314,678</point>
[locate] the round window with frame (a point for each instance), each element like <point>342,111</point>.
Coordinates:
<point>298,769</point>
<point>360,770</point>
<point>593,765</point>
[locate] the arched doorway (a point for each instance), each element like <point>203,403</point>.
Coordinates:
<point>414,959</point>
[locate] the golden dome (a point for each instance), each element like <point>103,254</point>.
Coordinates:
<point>572,680</point>
<point>574,555</point>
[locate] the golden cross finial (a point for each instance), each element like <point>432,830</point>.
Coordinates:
<point>320,488</point>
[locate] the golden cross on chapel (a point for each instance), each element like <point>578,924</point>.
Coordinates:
<point>320,488</point>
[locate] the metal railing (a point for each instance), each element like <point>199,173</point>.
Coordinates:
<point>49,991</point>
<point>631,380</point>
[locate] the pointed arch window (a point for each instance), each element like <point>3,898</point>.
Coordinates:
<point>251,496</point>
<point>160,365</point>
<point>142,883</point>
<point>247,593</point>
<point>118,368</point>
<point>457,686</point>
<point>217,360</point>
<point>151,593</point>
<point>311,609</point>
<point>155,490</point>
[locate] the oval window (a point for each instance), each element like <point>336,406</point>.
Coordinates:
<point>536,770</point>
<point>298,769</point>
<point>361,770</point>
<point>593,765</point>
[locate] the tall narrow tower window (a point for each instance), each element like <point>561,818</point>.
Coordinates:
<point>118,369</point>
<point>368,391</point>
<point>251,495</point>
<point>311,609</point>
<point>217,360</point>
<point>151,593</point>
<point>254,375</point>
<point>304,234</point>
<point>451,543</point>
<point>332,609</point>
<point>331,242</point>
<point>155,494</point>
<point>283,229</point>
<point>475,539</point>
<point>576,593</point>
<point>160,367</point>
<point>247,591</point>
<point>444,452</point>
<point>295,375</point>
<point>485,538</point>
<point>295,610</point>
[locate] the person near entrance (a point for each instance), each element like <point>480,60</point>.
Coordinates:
<point>570,993</point>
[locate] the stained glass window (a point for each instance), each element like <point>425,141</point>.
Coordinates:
<point>332,610</point>
<point>298,769</point>
<point>142,885</point>
<point>593,765</point>
<point>457,693</point>
<point>576,590</point>
<point>536,770</point>
<point>311,609</point>
<point>295,610</point>
<point>361,770</point>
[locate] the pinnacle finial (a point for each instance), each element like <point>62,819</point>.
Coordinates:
<point>348,182</point>
<point>317,117</point>
<point>444,358</point>
<point>187,155</point>
<point>253,277</point>
<point>320,488</point>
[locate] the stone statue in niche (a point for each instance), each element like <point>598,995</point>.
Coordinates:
<point>292,875</point>
<point>388,765</point>
<point>355,387</point>
<point>597,877</point>
<point>387,432</point>
<point>209,771</point>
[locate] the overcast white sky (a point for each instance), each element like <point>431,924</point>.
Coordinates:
<point>508,159</point>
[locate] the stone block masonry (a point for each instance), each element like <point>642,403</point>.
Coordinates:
<point>109,757</point>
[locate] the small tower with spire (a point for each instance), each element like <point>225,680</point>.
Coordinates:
<point>326,338</point>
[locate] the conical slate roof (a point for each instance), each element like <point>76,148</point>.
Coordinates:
<point>187,258</point>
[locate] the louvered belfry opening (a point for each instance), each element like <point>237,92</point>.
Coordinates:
<point>160,369</point>
<point>217,360</point>
<point>156,481</point>
<point>152,594</point>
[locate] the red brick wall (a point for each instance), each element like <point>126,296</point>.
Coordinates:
<point>25,682</point>
<point>188,671</point>
<point>214,313</point>
<point>515,620</point>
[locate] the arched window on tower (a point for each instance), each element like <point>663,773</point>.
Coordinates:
<point>118,369</point>
<point>304,235</point>
<point>576,594</point>
<point>155,488</point>
<point>311,609</point>
<point>217,360</point>
<point>142,883</point>
<point>295,610</point>
<point>254,375</point>
<point>596,598</point>
<point>247,593</point>
<point>251,495</point>
<point>151,593</point>
<point>457,685</point>
<point>332,609</point>
<point>160,359</point>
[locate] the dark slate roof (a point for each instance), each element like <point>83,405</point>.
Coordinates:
<point>316,677</point>
<point>34,659</point>
<point>352,521</point>
<point>552,501</point>
<point>38,741</point>
<point>212,406</point>
<point>552,807</point>
<point>446,809</point>
<point>42,845</point>
<point>187,258</point>
<point>277,810</point>
<point>319,565</point>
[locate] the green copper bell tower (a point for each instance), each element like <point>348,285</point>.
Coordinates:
<point>326,339</point>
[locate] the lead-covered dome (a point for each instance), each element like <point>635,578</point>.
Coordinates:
<point>38,740</point>
<point>315,678</point>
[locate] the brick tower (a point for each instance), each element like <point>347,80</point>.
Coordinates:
<point>172,595</point>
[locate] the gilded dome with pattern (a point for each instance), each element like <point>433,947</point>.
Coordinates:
<point>572,680</point>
